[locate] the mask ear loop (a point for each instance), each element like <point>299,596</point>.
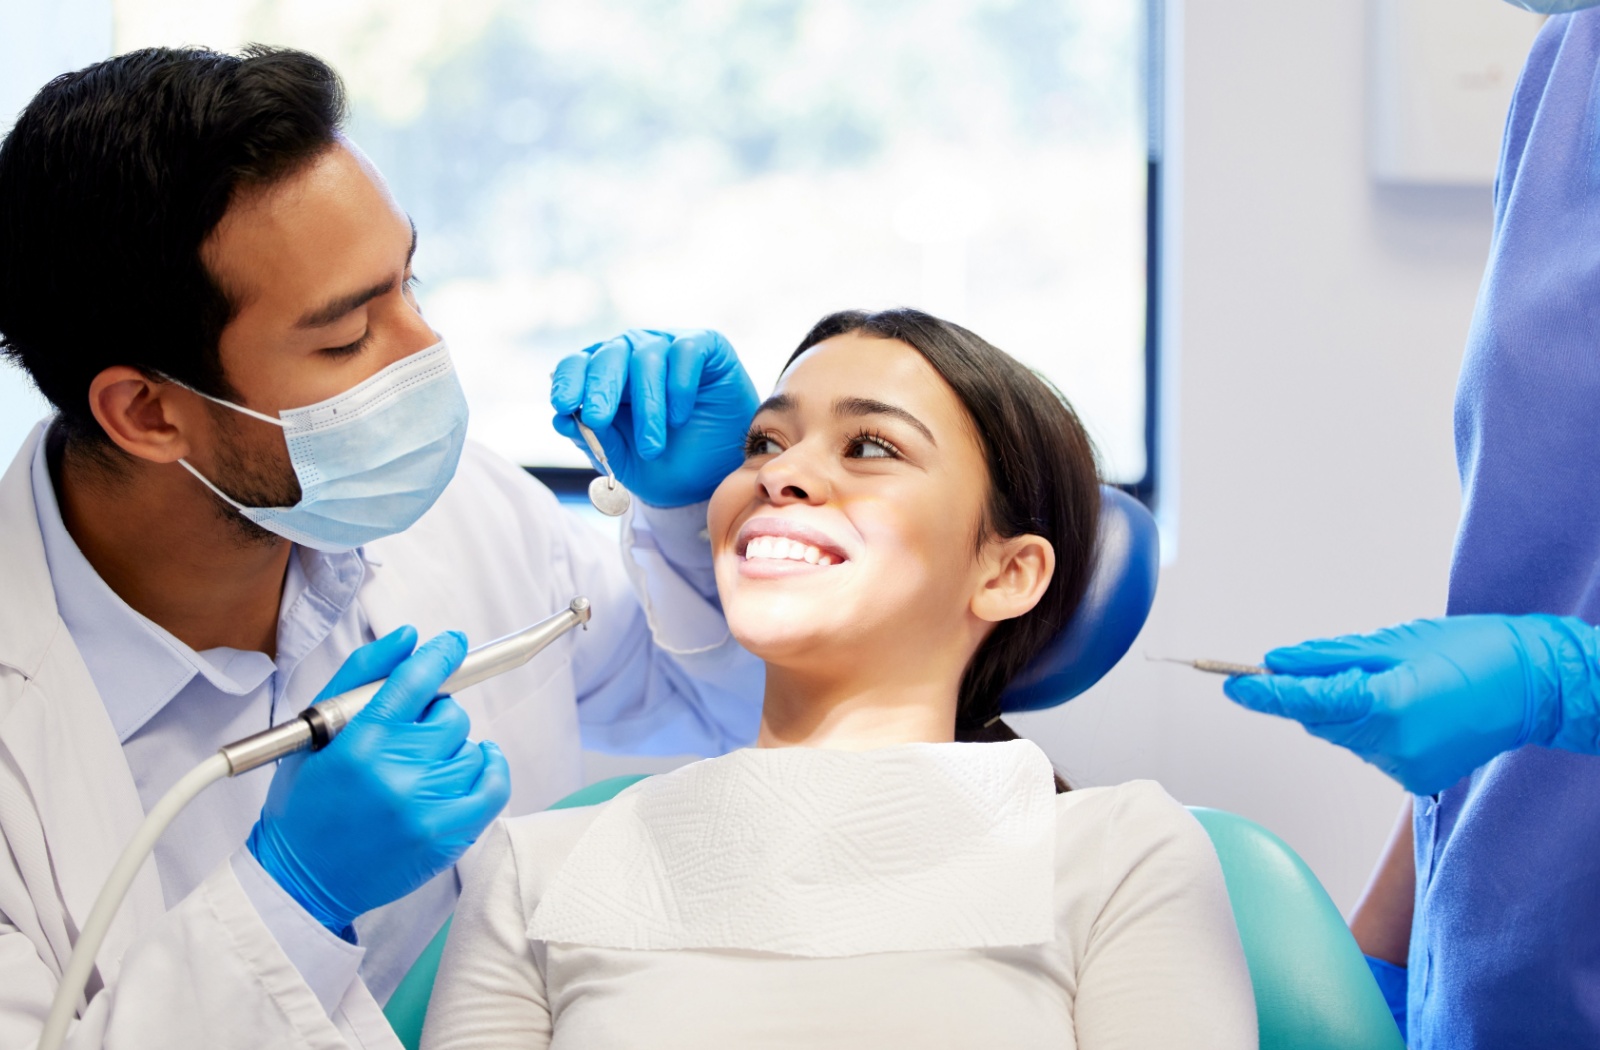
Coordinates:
<point>223,496</point>
<point>186,465</point>
<point>274,420</point>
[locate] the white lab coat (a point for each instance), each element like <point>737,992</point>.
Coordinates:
<point>496,553</point>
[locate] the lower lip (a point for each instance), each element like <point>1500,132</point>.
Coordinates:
<point>774,568</point>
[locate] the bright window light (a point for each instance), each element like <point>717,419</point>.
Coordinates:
<point>579,167</point>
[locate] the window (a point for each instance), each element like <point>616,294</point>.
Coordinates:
<point>576,169</point>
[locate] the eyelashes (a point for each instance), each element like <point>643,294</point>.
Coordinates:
<point>350,349</point>
<point>761,442</point>
<point>408,287</point>
<point>756,442</point>
<point>865,440</point>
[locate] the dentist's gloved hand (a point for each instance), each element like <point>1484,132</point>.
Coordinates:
<point>671,409</point>
<point>395,799</point>
<point>1430,701</point>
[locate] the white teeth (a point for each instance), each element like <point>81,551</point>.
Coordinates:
<point>780,548</point>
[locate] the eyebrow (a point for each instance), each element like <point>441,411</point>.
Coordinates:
<point>848,407</point>
<point>866,406</point>
<point>335,309</point>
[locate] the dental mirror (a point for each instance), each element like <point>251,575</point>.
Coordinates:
<point>605,492</point>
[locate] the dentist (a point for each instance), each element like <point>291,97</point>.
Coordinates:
<point>256,479</point>
<point>1483,918</point>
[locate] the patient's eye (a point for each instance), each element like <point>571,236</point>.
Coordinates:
<point>761,443</point>
<point>869,444</point>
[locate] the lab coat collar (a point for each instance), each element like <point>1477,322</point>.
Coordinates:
<point>55,731</point>
<point>138,665</point>
<point>28,614</point>
<point>146,663</point>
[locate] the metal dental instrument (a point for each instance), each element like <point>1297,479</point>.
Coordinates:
<point>607,495</point>
<point>1211,666</point>
<point>322,721</point>
<point>317,725</point>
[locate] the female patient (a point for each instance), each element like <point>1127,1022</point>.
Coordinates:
<point>889,865</point>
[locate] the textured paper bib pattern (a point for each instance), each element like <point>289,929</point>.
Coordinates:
<point>805,852</point>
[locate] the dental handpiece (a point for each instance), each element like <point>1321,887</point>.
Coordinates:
<point>322,721</point>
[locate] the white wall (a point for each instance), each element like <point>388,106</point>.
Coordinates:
<point>1318,333</point>
<point>39,39</point>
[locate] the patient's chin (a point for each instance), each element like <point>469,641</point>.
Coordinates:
<point>777,632</point>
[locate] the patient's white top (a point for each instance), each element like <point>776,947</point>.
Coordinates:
<point>929,895</point>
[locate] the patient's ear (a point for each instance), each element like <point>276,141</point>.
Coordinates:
<point>1015,574</point>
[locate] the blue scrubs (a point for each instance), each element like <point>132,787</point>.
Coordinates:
<point>1505,949</point>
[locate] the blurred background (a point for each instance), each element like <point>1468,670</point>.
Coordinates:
<point>1220,226</point>
<point>576,169</point>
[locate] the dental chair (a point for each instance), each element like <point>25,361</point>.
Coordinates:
<point>1313,989</point>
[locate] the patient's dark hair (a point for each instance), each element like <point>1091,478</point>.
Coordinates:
<point>110,183</point>
<point>1043,480</point>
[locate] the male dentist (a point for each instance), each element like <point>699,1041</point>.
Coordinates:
<point>257,474</point>
<point>1484,915</point>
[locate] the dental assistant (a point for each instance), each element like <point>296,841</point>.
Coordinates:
<point>1484,916</point>
<point>256,479</point>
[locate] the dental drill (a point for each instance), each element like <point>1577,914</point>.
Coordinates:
<point>315,727</point>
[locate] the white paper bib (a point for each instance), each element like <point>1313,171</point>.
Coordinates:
<point>800,851</point>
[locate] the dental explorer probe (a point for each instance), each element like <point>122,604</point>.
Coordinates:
<point>1211,666</point>
<point>313,729</point>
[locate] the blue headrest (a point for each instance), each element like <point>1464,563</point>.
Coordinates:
<point>1120,593</point>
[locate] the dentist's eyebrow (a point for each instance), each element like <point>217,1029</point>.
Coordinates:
<point>336,309</point>
<point>866,406</point>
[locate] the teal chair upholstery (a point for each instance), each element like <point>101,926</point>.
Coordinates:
<point>1313,989</point>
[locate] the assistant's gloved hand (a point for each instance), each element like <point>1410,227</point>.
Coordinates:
<point>395,799</point>
<point>1430,701</point>
<point>671,409</point>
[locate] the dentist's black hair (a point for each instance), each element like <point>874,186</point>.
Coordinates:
<point>1043,480</point>
<point>111,181</point>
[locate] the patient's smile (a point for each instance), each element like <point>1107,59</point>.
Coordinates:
<point>771,546</point>
<point>779,549</point>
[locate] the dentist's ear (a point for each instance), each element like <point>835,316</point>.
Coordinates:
<point>1015,574</point>
<point>146,418</point>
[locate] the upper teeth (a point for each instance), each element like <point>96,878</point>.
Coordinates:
<point>783,549</point>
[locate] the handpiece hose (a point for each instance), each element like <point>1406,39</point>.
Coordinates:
<point>313,729</point>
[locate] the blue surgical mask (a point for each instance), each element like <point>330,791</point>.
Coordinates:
<point>1554,7</point>
<point>371,460</point>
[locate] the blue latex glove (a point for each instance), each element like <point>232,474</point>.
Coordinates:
<point>1430,701</point>
<point>395,799</point>
<point>671,409</point>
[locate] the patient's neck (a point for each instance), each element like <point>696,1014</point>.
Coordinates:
<point>855,713</point>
